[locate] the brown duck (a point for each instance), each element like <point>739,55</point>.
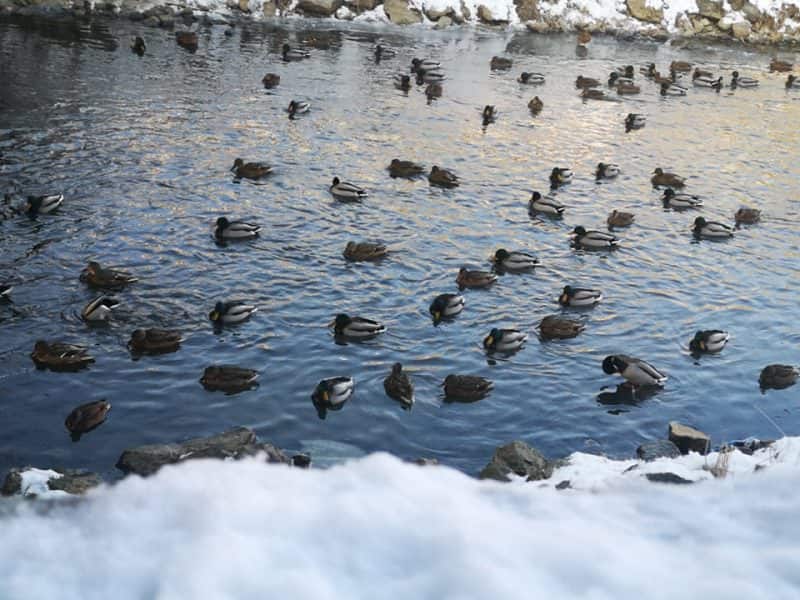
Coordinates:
<point>405,168</point>
<point>251,170</point>
<point>747,216</point>
<point>556,328</point>
<point>778,377</point>
<point>186,39</point>
<point>58,356</point>
<point>628,89</point>
<point>618,218</point>
<point>535,105</point>
<point>780,66</point>
<point>474,279</point>
<point>434,90</point>
<point>228,379</point>
<point>271,80</point>
<point>108,279</point>
<point>398,386</point>
<point>592,94</point>
<point>660,178</point>
<point>364,251</point>
<point>499,63</point>
<point>443,178</point>
<point>154,341</point>
<point>466,388</point>
<point>86,417</point>
<point>584,83</point>
<point>680,66</point>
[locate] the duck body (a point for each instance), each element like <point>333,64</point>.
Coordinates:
<point>607,171</point>
<point>557,328</point>
<point>499,63</point>
<point>298,107</point>
<point>271,80</point>
<point>356,328</point>
<point>579,297</point>
<point>747,216</point>
<point>474,279</point>
<point>430,77</point>
<point>514,261</point>
<point>504,340</point>
<point>250,170</point>
<point>96,276</point>
<point>676,201</point>
<point>434,90</point>
<point>398,386</point>
<point>331,394</point>
<point>489,114</point>
<point>235,230</point>
<point>616,79</point>
<point>422,65</point>
<point>42,205</point>
<point>744,82</point>
<point>545,205</point>
<point>584,83</point>
<point>230,379</point>
<point>405,169</point>
<point>86,417</point>
<point>709,340</point>
<point>99,309</point>
<point>343,190</point>
<point>231,312</point>
<point>186,39</point>
<point>634,121</point>
<point>660,178</point>
<point>706,82</point>
<point>402,82</point>
<point>792,83</point>
<point>680,66</point>
<point>711,229</point>
<point>290,54</point>
<point>592,94</point>
<point>778,377</point>
<point>531,78</point>
<point>672,89</point>
<point>624,89</point>
<point>58,356</point>
<point>446,306</point>
<point>560,176</point>
<point>364,251</point>
<point>618,218</point>
<point>780,66</point>
<point>466,388</point>
<point>535,105</point>
<point>635,370</point>
<point>443,178</point>
<point>154,341</point>
<point>594,240</point>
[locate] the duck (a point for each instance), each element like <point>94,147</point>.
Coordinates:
<point>593,240</point>
<point>42,205</point>
<point>584,37</point>
<point>556,328</point>
<point>293,54</point>
<point>560,176</point>
<point>592,94</point>
<point>109,279</point>
<point>467,388</point>
<point>680,201</point>
<point>342,190</point>
<point>575,296</point>
<point>430,77</point>
<point>624,89</point>
<point>545,205</point>
<point>531,78</point>
<point>747,216</point>
<point>5,292</point>
<point>680,66</point>
<point>355,327</point>
<point>648,70</point>
<point>585,83</point>
<point>138,46</point>
<point>672,89</point>
<point>298,107</point>
<point>514,260</point>
<point>402,82</point>
<point>702,74</point>
<point>792,83</point>
<point>504,340</point>
<point>535,105</point>
<point>659,79</point>
<point>635,370</point>
<point>271,80</point>
<point>58,356</point>
<point>606,171</point>
<point>474,279</point>
<point>331,394</point>
<point>489,114</point>
<point>660,178</point>
<point>382,52</point>
<point>615,79</point>
<point>744,82</point>
<point>634,121</point>
<point>618,218</point>
<point>446,306</point>
<point>711,229</point>
<point>398,386</point>
<point>709,340</point>
<point>626,71</point>
<point>421,65</point>
<point>778,377</point>
<point>405,169</point>
<point>781,66</point>
<point>704,82</point>
<point>235,230</point>
<point>230,379</point>
<point>86,417</point>
<point>443,178</point>
<point>187,39</point>
<point>250,170</point>
<point>99,309</point>
<point>434,90</point>
<point>499,63</point>
<point>154,341</point>
<point>364,251</point>
<point>231,312</point>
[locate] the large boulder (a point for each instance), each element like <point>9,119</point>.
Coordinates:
<point>486,15</point>
<point>400,13</point>
<point>527,10</point>
<point>657,449</point>
<point>318,8</point>
<point>741,30</point>
<point>751,12</point>
<point>518,458</point>
<point>639,9</point>
<point>70,481</point>
<point>711,9</point>
<point>443,22</point>
<point>688,439</point>
<point>736,4</point>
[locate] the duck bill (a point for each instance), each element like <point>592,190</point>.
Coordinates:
<point>437,316</point>
<point>488,341</point>
<point>214,315</point>
<point>325,396</point>
<point>331,324</point>
<point>563,299</point>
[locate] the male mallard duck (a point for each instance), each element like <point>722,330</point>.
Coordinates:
<point>634,121</point>
<point>680,201</point>
<point>635,370</point>
<point>467,388</point>
<point>108,279</point>
<point>364,251</point>
<point>86,417</point>
<point>626,72</point>
<point>557,328</point>
<point>154,341</point>
<point>535,105</point>
<point>42,205</point>
<point>499,63</point>
<point>585,83</point>
<point>504,340</point>
<point>514,261</point>
<point>58,356</point>
<point>138,46</point>
<point>778,377</point>
<point>443,178</point>
<point>235,230</point>
<point>624,89</point>
<point>747,216</point>
<point>711,229</point>
<point>531,78</point>
<point>402,82</point>
<point>298,107</point>
<point>271,80</point>
<point>398,386</point>
<point>706,82</point>
<point>342,190</point>
<point>593,240</point>
<point>357,328</point>
<point>781,66</point>
<point>618,218</point>
<point>545,204</point>
<point>671,89</point>
<point>489,114</point>
<point>680,66</point>
<point>560,176</point>
<point>660,178</point>
<point>745,82</point>
<point>293,54</point>
<point>430,77</point>
<point>99,309</point>
<point>606,171</point>
<point>405,168</point>
<point>187,39</point>
<point>331,394</point>
<point>474,279</point>
<point>231,312</point>
<point>421,65</point>
<point>228,379</point>
<point>571,296</point>
<point>710,340</point>
<point>792,83</point>
<point>381,52</point>
<point>615,79</point>
<point>446,306</point>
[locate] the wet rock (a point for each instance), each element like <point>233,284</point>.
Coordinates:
<point>486,15</point>
<point>688,439</point>
<point>465,11</point>
<point>711,9</point>
<point>564,485</point>
<point>639,9</point>
<point>434,14</point>
<point>657,449</point>
<point>443,23</point>
<point>537,26</point>
<point>426,462</point>
<point>166,21</point>
<point>345,14</point>
<point>302,461</point>
<point>518,458</point>
<point>736,4</point>
<point>359,6</point>
<point>400,13</point>
<point>152,21</point>
<point>751,13</point>
<point>741,30</point>
<point>319,8</point>
<point>72,481</point>
<point>751,445</point>
<point>667,478</point>
<point>527,10</point>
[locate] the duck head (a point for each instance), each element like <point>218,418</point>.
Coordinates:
<point>612,364</point>
<point>285,49</point>
<point>698,344</point>
<point>535,197</point>
<point>41,347</point>
<point>216,314</point>
<point>336,181</point>
<point>699,223</point>
<point>524,77</point>
<point>397,368</point>
<point>501,255</point>
<point>437,309</point>
<point>613,78</point>
<point>138,336</point>
<point>658,171</point>
<point>579,230</point>
<point>292,108</point>
<point>790,80</point>
<point>629,71</point>
<point>340,321</point>
<point>237,163</point>
<point>664,88</point>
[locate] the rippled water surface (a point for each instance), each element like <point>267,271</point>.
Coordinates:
<point>142,147</point>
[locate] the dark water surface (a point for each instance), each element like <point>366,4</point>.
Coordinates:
<point>141,149</point>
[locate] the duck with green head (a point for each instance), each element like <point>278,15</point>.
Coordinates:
<point>446,306</point>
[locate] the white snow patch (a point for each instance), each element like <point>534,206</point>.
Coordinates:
<point>34,483</point>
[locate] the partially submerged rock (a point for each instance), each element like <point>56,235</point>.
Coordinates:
<point>32,482</point>
<point>400,13</point>
<point>667,478</point>
<point>688,439</point>
<point>657,449</point>
<point>518,458</point>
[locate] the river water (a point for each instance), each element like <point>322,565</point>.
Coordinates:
<point>141,149</point>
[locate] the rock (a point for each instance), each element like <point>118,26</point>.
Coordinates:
<point>167,21</point>
<point>270,9</point>
<point>657,449</point>
<point>518,458</point>
<point>487,16</point>
<point>639,9</point>
<point>72,481</point>
<point>302,461</point>
<point>725,23</point>
<point>319,8</point>
<point>537,26</point>
<point>152,21</point>
<point>527,10</point>
<point>688,439</point>
<point>243,6</point>
<point>12,483</point>
<point>564,485</point>
<point>736,4</point>
<point>435,14</point>
<point>399,12</point>
<point>345,14</point>
<point>359,6</point>
<point>711,9</point>
<point>425,462</point>
<point>751,13</point>
<point>741,30</point>
<point>443,22</point>
<point>667,478</point>
<point>465,11</point>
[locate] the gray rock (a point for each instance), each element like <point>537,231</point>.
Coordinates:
<point>751,13</point>
<point>736,4</point>
<point>359,6</point>
<point>152,21</point>
<point>657,449</point>
<point>318,8</point>
<point>72,481</point>
<point>741,30</point>
<point>527,10</point>
<point>486,15</point>
<point>270,9</point>
<point>711,9</point>
<point>518,458</point>
<point>443,22</point>
<point>13,483</point>
<point>638,9</point>
<point>564,485</point>
<point>465,11</point>
<point>667,478</point>
<point>167,21</point>
<point>424,462</point>
<point>400,13</point>
<point>688,439</point>
<point>435,14</point>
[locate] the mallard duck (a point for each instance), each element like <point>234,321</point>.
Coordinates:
<point>618,218</point>
<point>381,52</point>
<point>711,229</point>
<point>271,80</point>
<point>474,279</point>
<point>571,296</point>
<point>615,79</point>
<point>235,230</point>
<point>680,201</point>
<point>42,205</point>
<point>545,204</point>
<point>658,79</point>
<point>138,46</point>
<point>443,178</point>
<point>778,377</point>
<point>398,386</point>
<point>5,291</point>
<point>680,66</point>
<point>531,78</point>
<point>108,279</point>
<point>331,394</point>
<point>705,82</point>
<point>446,306</point>
<point>421,65</point>
<point>489,114</point>
<point>671,89</point>
<point>405,168</point>
<point>702,74</point>
<point>648,70</point>
<point>154,341</point>
<point>781,66</point>
<point>231,312</point>
<point>626,71</point>
<point>792,83</point>
<point>593,239</point>
<point>624,89</point>
<point>499,63</point>
<point>364,251</point>
<point>634,121</point>
<point>99,309</point>
<point>430,77</point>
<point>747,216</point>
<point>58,356</point>
<point>585,83</point>
<point>535,105</point>
<point>187,39</point>
<point>557,328</point>
<point>606,171</point>
<point>467,388</point>
<point>710,340</point>
<point>357,328</point>
<point>293,54</point>
<point>560,176</point>
<point>635,370</point>
<point>504,340</point>
<point>745,82</point>
<point>592,94</point>
<point>434,90</point>
<point>402,82</point>
<point>228,379</point>
<point>86,417</point>
<point>298,107</point>
<point>342,190</point>
<point>514,261</point>
<point>660,178</point>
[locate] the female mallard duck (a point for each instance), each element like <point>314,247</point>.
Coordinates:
<point>138,46</point>
<point>293,54</point>
<point>402,82</point>
<point>381,53</point>
<point>434,90</point>
<point>154,341</point>
<point>672,89</point>
<point>680,201</point>
<point>593,240</point>
<point>680,66</point>
<point>711,229</point>
<point>86,417</point>
<point>331,394</point>
<point>780,66</point>
<point>430,77</point>
<point>535,105</point>
<point>443,178</point>
<point>298,107</point>
<point>187,39</point>
<point>531,78</point>
<point>707,82</point>
<point>560,176</point>
<point>592,94</point>
<point>58,356</point>
<point>421,65</point>
<point>660,178</point>
<point>744,82</point>
<point>571,296</point>
<point>489,114</point>
<point>747,216</point>
<point>228,379</point>
<point>702,74</point>
<point>545,204</point>
<point>251,170</point>
<point>624,89</point>
<point>235,230</point>
<point>474,279</point>
<point>271,80</point>
<point>618,218</point>
<point>446,306</point>
<point>514,261</point>
<point>634,121</point>
<point>99,309</point>
<point>232,312</point>
<point>792,83</point>
<point>357,328</point>
<point>342,190</point>
<point>42,205</point>
<point>635,370</point>
<point>606,171</point>
<point>108,279</point>
<point>584,83</point>
<point>500,63</point>
<point>557,328</point>
<point>710,340</point>
<point>405,169</point>
<point>398,386</point>
<point>504,340</point>
<point>466,388</point>
<point>615,79</point>
<point>778,377</point>
<point>364,251</point>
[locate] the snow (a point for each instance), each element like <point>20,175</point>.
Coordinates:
<point>34,483</point>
